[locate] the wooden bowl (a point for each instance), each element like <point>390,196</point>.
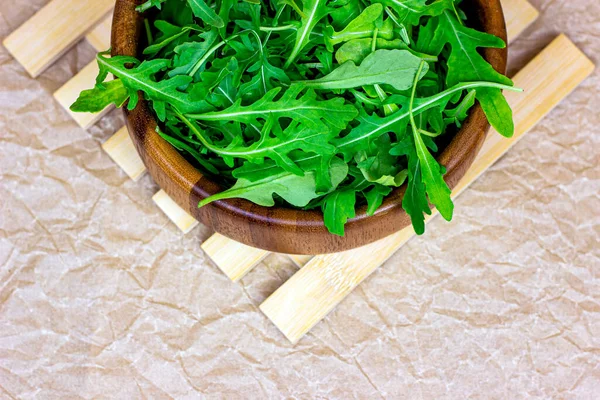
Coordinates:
<point>280,229</point>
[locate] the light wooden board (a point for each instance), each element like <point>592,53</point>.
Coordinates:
<point>69,92</point>
<point>300,261</point>
<point>121,149</point>
<point>237,258</point>
<point>99,38</point>
<point>519,14</point>
<point>184,221</point>
<point>53,30</point>
<point>316,289</point>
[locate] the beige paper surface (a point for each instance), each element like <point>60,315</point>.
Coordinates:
<point>102,297</point>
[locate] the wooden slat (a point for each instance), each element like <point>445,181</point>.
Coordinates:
<point>121,149</point>
<point>519,14</point>
<point>300,261</point>
<point>184,221</point>
<point>233,258</point>
<point>69,92</point>
<point>316,289</point>
<point>53,30</point>
<point>99,38</point>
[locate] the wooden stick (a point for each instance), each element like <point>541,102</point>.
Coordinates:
<point>99,38</point>
<point>53,30</point>
<point>300,261</point>
<point>325,281</point>
<point>121,149</point>
<point>519,14</point>
<point>69,92</point>
<point>233,258</point>
<point>184,221</point>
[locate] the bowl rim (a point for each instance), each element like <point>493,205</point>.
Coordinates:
<point>165,163</point>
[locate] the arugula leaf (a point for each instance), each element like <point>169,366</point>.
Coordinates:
<point>199,7</point>
<point>415,198</point>
<point>375,197</point>
<point>142,78</point>
<point>410,12</point>
<point>103,95</point>
<point>396,68</point>
<point>458,114</point>
<point>169,34</point>
<point>465,64</point>
<point>205,13</point>
<point>306,109</point>
<point>312,12</point>
<point>296,190</point>
<point>361,27</point>
<point>338,207</point>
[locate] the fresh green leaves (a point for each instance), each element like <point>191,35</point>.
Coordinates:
<point>296,190</point>
<point>465,64</point>
<point>396,68</point>
<point>312,104</point>
<point>312,12</point>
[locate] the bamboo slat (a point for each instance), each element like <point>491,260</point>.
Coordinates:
<point>99,38</point>
<point>300,261</point>
<point>238,258</point>
<point>53,30</point>
<point>121,149</point>
<point>325,281</point>
<point>184,221</point>
<point>519,15</point>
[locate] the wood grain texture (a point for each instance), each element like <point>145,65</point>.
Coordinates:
<point>121,149</point>
<point>69,92</point>
<point>53,30</point>
<point>99,38</point>
<point>184,221</point>
<point>233,258</point>
<point>300,260</point>
<point>519,14</point>
<point>280,229</point>
<point>316,289</point>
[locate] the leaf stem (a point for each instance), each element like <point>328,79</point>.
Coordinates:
<point>277,28</point>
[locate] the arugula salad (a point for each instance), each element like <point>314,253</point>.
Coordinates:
<point>311,104</point>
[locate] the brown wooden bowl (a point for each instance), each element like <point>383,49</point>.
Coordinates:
<point>281,229</point>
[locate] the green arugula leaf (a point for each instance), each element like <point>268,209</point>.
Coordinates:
<point>296,190</point>
<point>375,197</point>
<point>410,12</point>
<point>363,26</point>
<point>313,11</point>
<point>414,201</point>
<point>205,13</point>
<point>307,109</point>
<point>396,68</point>
<point>101,96</point>
<point>338,207</point>
<point>465,64</point>
<point>169,34</point>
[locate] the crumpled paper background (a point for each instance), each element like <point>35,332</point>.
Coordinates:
<point>102,297</point>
